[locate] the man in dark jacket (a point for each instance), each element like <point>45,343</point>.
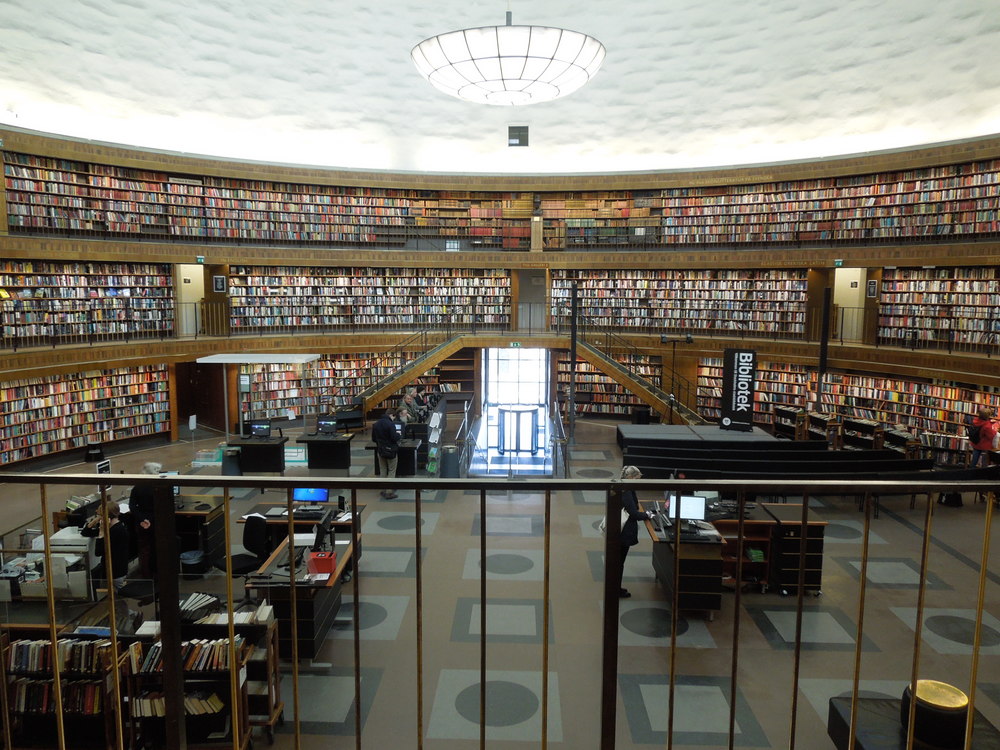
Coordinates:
<point>118,536</point>
<point>140,505</point>
<point>386,439</point>
<point>630,529</point>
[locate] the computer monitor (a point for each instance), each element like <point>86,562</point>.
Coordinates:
<point>326,424</point>
<point>177,489</point>
<point>692,508</point>
<point>260,428</point>
<point>399,428</point>
<point>311,495</point>
<point>323,533</point>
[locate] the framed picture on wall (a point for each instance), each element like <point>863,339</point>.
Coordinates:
<point>219,284</point>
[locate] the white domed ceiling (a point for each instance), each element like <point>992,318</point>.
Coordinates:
<point>686,83</point>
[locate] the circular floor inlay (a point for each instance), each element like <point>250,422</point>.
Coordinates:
<point>507,703</point>
<point>370,615</point>
<point>961,630</point>
<point>594,473</point>
<point>508,564</point>
<point>399,523</point>
<point>841,531</point>
<point>651,622</point>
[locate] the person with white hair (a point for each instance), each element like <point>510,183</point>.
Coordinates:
<point>630,528</point>
<point>140,503</point>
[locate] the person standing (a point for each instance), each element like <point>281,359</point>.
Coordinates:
<point>386,439</point>
<point>630,529</point>
<point>985,422</point>
<point>118,538</point>
<point>140,505</point>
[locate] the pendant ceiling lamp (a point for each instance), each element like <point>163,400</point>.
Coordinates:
<point>509,65</point>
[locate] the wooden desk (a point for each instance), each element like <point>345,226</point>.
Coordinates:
<point>700,579</point>
<point>317,603</point>
<point>260,455</point>
<point>328,451</point>
<point>277,526</point>
<point>31,619</point>
<point>201,525</point>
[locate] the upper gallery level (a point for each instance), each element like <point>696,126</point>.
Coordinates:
<point>925,200</point>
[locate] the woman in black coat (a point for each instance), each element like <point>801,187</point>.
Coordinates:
<point>630,529</point>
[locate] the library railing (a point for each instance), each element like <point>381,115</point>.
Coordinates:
<point>46,600</point>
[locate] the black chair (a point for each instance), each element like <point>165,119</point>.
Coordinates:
<point>255,539</point>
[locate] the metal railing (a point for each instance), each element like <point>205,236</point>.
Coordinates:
<point>786,677</point>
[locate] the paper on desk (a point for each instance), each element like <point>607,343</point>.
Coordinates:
<point>319,576</point>
<point>248,515</point>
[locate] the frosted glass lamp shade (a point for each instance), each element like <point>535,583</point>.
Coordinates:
<point>505,65</point>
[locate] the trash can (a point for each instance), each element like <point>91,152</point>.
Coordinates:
<point>640,415</point>
<point>193,564</point>
<point>231,463</point>
<point>449,461</point>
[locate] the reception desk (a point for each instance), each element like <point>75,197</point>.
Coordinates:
<point>328,451</point>
<point>699,561</point>
<point>316,603</point>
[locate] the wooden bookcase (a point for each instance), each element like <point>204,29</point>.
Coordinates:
<point>939,307</point>
<point>63,196</point>
<point>342,298</point>
<point>69,302</point>
<point>212,679</point>
<point>598,394</point>
<point>459,372</point>
<point>778,384</point>
<point>90,710</point>
<point>771,301</point>
<point>62,412</point>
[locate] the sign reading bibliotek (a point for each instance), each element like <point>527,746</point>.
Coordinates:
<point>739,371</point>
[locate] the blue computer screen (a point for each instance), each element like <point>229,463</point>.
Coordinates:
<point>310,494</point>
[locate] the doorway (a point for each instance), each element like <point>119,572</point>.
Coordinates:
<point>513,437</point>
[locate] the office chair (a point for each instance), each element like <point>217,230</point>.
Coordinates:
<point>255,540</point>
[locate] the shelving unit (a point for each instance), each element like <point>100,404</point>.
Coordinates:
<point>777,384</point>
<point>938,307</point>
<point>789,535</point>
<point>61,412</point>
<point>757,533</point>
<point>457,373</point>
<point>90,711</point>
<point>66,302</point>
<point>208,730</point>
<point>329,384</point>
<point>342,298</point>
<point>771,301</point>
<point>863,434</point>
<point>59,195</point>
<point>822,426</point>
<point>598,394</point>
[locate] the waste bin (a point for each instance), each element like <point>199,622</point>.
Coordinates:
<point>193,565</point>
<point>231,463</point>
<point>640,415</point>
<point>449,461</point>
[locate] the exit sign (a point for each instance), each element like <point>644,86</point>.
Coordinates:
<point>515,343</point>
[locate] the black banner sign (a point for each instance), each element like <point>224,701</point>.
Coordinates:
<point>739,372</point>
